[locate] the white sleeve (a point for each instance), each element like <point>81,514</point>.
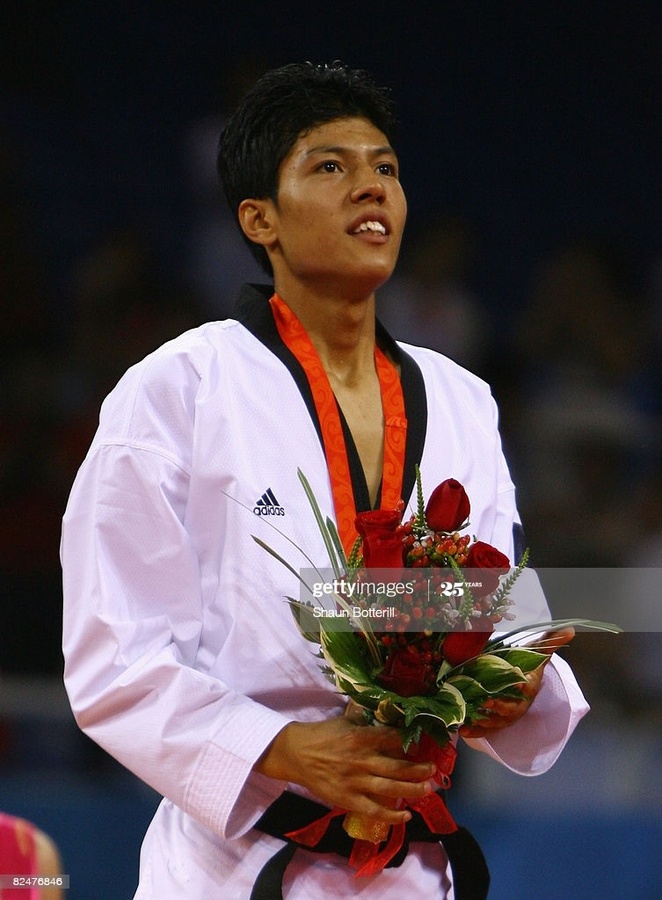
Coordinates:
<point>132,626</point>
<point>534,743</point>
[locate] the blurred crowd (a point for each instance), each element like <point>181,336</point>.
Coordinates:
<point>574,369</point>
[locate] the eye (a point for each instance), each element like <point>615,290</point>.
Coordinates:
<point>387,169</point>
<point>330,165</point>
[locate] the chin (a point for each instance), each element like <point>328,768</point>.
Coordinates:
<point>382,275</point>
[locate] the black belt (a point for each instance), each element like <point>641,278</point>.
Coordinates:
<point>290,812</point>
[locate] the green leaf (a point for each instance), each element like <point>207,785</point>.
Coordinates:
<point>345,656</point>
<point>551,625</point>
<point>321,524</point>
<point>307,623</point>
<point>371,696</point>
<point>468,600</point>
<point>355,557</point>
<point>447,705</point>
<point>492,673</point>
<point>475,694</point>
<point>507,585</point>
<point>451,701</point>
<point>471,690</point>
<point>389,713</point>
<point>278,531</point>
<point>411,735</point>
<point>420,525</point>
<point>280,559</point>
<point>434,727</point>
<point>363,625</point>
<point>337,543</point>
<point>522,658</point>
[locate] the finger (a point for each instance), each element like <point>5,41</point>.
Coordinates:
<point>386,810</point>
<point>355,713</point>
<point>371,795</point>
<point>494,715</point>
<point>399,769</point>
<point>487,726</point>
<point>474,731</point>
<point>495,709</point>
<point>552,641</point>
<point>394,789</point>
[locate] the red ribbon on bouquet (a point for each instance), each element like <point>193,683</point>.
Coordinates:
<point>366,856</point>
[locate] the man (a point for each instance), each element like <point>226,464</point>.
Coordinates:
<point>183,661</point>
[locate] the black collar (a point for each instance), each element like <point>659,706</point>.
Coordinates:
<point>254,312</point>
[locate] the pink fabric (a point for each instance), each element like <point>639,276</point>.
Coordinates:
<point>18,855</point>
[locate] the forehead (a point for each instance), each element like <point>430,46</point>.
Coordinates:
<point>354,134</point>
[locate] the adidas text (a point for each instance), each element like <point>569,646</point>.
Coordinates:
<point>269,511</point>
<point>267,505</point>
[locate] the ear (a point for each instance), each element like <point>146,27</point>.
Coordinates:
<point>256,221</point>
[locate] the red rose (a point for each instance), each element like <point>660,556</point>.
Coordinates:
<point>448,507</point>
<point>491,562</point>
<point>459,646</point>
<point>383,547</point>
<point>405,673</point>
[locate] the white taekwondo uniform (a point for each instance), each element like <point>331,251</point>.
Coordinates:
<point>182,657</point>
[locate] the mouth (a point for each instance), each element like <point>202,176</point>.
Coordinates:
<point>376,229</point>
<point>371,226</point>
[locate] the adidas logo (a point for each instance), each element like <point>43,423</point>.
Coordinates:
<point>267,505</point>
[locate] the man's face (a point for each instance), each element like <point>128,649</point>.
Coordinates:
<point>340,210</point>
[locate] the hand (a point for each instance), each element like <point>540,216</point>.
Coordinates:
<point>500,714</point>
<point>349,766</point>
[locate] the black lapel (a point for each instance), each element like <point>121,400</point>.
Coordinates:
<point>254,312</point>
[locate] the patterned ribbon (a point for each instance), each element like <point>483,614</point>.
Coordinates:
<point>295,337</point>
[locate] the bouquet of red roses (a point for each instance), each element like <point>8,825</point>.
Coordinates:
<point>458,592</point>
<point>434,662</point>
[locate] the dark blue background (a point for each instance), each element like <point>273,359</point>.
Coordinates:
<point>535,121</point>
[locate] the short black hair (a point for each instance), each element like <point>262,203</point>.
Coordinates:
<point>282,105</point>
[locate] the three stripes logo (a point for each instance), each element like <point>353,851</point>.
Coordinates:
<point>267,505</point>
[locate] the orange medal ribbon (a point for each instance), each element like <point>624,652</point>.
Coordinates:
<point>296,339</point>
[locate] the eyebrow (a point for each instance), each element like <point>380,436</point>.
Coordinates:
<point>334,148</point>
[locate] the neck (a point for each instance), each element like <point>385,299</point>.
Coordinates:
<point>342,331</point>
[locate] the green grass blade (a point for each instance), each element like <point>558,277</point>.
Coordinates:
<point>324,531</point>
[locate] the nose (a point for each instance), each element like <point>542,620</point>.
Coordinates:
<point>369,187</point>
